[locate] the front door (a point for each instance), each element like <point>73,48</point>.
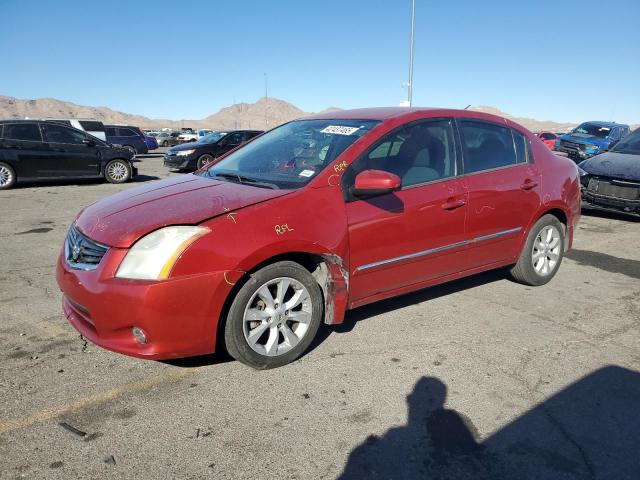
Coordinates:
<point>73,152</point>
<point>417,233</point>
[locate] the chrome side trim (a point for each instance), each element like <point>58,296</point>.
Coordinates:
<point>437,249</point>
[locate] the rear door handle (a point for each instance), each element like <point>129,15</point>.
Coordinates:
<point>453,204</point>
<point>528,185</point>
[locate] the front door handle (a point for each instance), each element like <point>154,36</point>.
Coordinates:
<point>453,204</point>
<point>528,185</point>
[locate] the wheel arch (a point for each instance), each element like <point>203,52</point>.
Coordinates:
<point>325,267</point>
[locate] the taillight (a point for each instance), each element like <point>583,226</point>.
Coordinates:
<point>142,138</point>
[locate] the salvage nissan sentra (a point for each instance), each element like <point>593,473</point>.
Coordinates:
<point>313,218</point>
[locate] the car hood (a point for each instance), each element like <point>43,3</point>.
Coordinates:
<point>584,138</point>
<point>615,165</point>
<point>187,146</point>
<point>121,219</point>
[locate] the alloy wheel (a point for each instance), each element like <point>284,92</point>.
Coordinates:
<point>277,316</point>
<point>117,171</point>
<point>6,176</point>
<point>546,250</point>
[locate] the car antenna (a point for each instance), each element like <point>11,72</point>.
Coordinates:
<point>467,107</point>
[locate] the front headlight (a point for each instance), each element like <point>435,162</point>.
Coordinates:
<point>153,256</point>
<point>184,153</point>
<point>592,148</point>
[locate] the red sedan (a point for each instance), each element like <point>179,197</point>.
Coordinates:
<point>548,138</point>
<point>318,216</point>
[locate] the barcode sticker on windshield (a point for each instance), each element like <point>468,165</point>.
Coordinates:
<point>339,130</point>
<point>306,173</point>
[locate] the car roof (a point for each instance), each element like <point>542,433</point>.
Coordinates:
<point>21,120</point>
<point>606,124</point>
<point>387,113</point>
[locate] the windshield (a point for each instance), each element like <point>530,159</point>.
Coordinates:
<point>629,144</point>
<point>592,129</point>
<point>291,155</point>
<point>212,137</point>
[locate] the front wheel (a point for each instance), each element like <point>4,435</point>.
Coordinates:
<point>7,176</point>
<point>165,144</point>
<point>542,253</point>
<point>274,316</point>
<point>205,159</point>
<point>117,171</point>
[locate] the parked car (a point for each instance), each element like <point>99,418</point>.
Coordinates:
<point>611,180</point>
<point>167,139</point>
<point>187,137</point>
<point>32,149</point>
<point>590,138</point>
<point>92,127</point>
<point>128,136</point>
<point>195,155</point>
<point>548,138</point>
<point>151,142</point>
<point>315,217</point>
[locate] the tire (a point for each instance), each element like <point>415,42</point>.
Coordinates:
<point>165,144</point>
<point>131,149</point>
<point>542,253</point>
<point>203,160</point>
<point>7,176</point>
<point>117,171</point>
<point>279,337</point>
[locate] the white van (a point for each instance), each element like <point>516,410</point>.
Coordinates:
<point>92,127</point>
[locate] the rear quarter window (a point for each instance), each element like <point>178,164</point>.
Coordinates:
<point>22,131</point>
<point>89,126</point>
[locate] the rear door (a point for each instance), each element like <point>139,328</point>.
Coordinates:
<point>23,142</point>
<point>73,152</point>
<point>504,190</point>
<point>417,233</point>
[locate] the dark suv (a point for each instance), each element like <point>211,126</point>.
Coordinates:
<point>32,149</point>
<point>195,155</point>
<point>128,136</point>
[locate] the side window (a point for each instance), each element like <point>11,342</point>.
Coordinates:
<point>417,153</point>
<point>486,146</point>
<point>548,136</point>
<point>59,134</point>
<point>110,131</point>
<point>22,131</point>
<point>125,132</point>
<point>615,135</point>
<point>233,139</point>
<point>522,147</point>
<point>90,126</point>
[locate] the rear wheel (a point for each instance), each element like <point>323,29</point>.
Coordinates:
<point>7,176</point>
<point>204,159</point>
<point>165,144</point>
<point>117,171</point>
<point>274,316</point>
<point>131,149</point>
<point>542,253</point>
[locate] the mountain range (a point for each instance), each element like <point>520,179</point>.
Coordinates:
<point>265,113</point>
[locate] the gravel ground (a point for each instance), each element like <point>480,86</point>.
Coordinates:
<point>479,378</point>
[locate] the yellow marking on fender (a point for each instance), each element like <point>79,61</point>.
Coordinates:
<point>227,280</point>
<point>49,413</point>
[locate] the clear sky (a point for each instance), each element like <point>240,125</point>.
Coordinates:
<point>560,60</point>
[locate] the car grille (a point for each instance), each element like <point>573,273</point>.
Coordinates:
<point>81,252</point>
<point>572,145</point>
<point>614,188</point>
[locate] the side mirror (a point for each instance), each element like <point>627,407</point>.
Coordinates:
<point>88,142</point>
<point>375,182</point>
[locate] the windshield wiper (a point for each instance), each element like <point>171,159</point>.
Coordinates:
<point>242,179</point>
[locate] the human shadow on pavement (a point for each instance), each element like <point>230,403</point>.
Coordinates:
<point>588,430</point>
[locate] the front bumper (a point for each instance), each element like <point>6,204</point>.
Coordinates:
<point>611,203</point>
<point>180,162</point>
<point>179,316</point>
<point>576,153</point>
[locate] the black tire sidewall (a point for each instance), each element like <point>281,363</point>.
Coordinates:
<point>233,332</point>
<point>13,175</point>
<point>200,163</point>
<point>526,257</point>
<point>111,180</point>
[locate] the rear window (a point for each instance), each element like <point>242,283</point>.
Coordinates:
<point>22,131</point>
<point>488,146</point>
<point>89,126</point>
<point>548,136</point>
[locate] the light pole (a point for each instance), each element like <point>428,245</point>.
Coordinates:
<point>410,84</point>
